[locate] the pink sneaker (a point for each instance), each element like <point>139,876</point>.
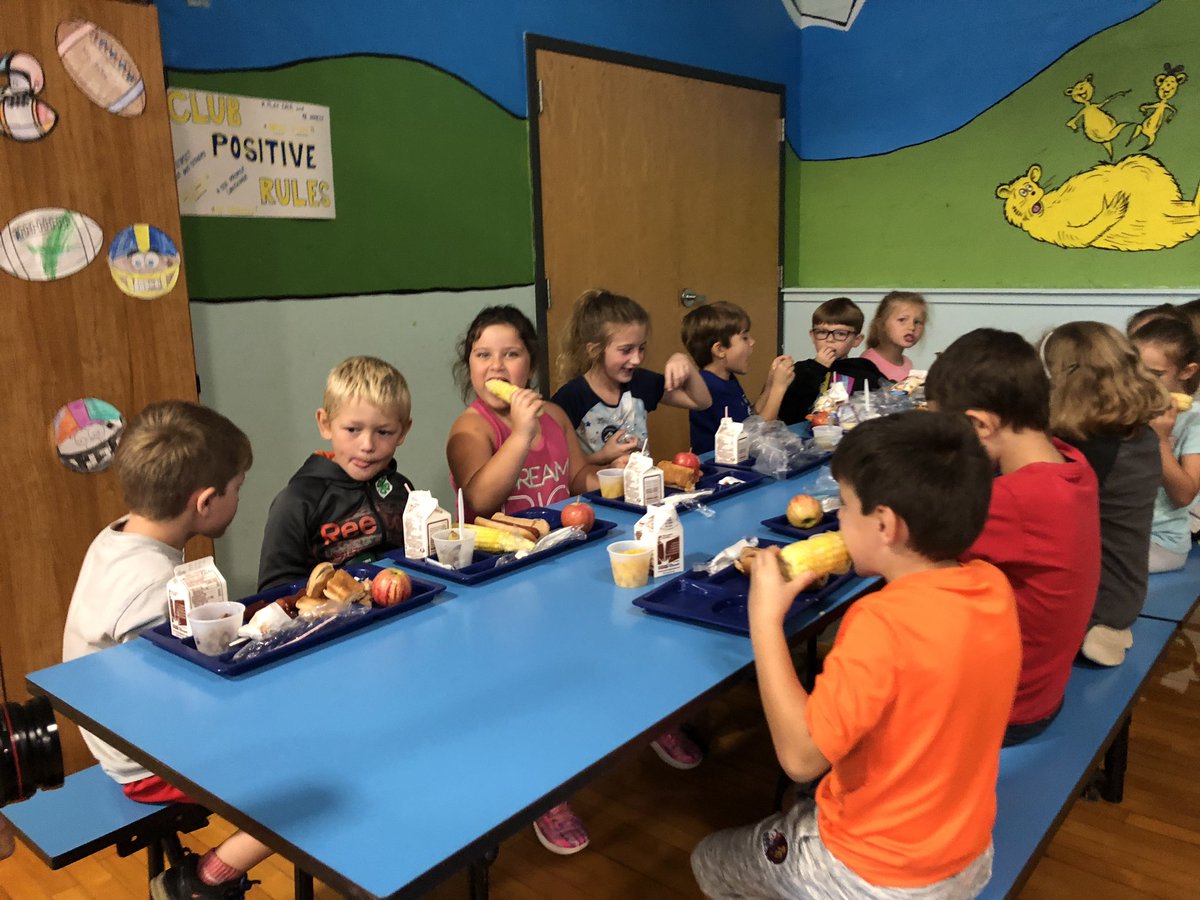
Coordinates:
<point>560,831</point>
<point>678,750</point>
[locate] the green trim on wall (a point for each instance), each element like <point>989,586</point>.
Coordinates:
<point>431,179</point>
<point>928,216</point>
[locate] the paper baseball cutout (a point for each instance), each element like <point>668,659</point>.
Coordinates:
<point>144,262</point>
<point>47,244</point>
<point>23,117</point>
<point>86,433</point>
<point>101,67</point>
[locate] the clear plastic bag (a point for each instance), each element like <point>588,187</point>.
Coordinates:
<point>781,452</point>
<point>726,557</point>
<point>297,631</point>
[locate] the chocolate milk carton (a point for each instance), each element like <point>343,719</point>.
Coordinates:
<point>194,584</point>
<point>660,528</point>
<point>643,480</point>
<point>732,443</point>
<point>422,519</point>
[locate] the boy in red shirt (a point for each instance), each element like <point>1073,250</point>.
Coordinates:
<point>910,709</point>
<point>1043,526</point>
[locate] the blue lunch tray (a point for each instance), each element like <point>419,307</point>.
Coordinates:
<point>483,565</point>
<point>710,475</point>
<point>225,665</point>
<point>780,525</point>
<point>810,460</point>
<point>719,601</point>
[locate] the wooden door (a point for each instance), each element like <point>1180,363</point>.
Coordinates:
<point>79,336</point>
<point>652,182</point>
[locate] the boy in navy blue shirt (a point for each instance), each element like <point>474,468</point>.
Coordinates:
<point>717,335</point>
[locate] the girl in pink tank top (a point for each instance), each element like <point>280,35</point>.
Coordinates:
<point>510,456</point>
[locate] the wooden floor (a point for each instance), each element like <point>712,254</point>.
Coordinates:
<point>644,818</point>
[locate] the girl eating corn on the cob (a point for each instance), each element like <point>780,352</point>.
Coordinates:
<point>510,449</point>
<point>908,714</point>
<point>1171,351</point>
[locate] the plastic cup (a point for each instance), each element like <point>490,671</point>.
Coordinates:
<point>455,547</point>
<point>612,483</point>
<point>826,437</point>
<point>215,625</point>
<point>630,562</point>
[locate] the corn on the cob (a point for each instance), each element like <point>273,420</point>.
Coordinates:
<point>493,540</point>
<point>824,554</point>
<point>502,389</point>
<point>1183,402</point>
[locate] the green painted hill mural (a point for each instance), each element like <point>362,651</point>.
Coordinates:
<point>929,216</point>
<point>432,182</point>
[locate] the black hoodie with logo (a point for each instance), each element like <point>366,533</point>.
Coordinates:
<point>324,515</point>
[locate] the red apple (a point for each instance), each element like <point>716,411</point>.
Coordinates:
<point>579,514</point>
<point>804,511</point>
<point>688,460</point>
<point>391,586</point>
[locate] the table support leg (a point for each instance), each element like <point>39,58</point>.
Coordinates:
<point>477,875</point>
<point>303,884</point>
<point>1116,758</point>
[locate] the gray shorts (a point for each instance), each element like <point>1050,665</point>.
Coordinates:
<point>784,856</point>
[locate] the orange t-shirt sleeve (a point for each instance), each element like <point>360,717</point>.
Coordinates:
<point>856,686</point>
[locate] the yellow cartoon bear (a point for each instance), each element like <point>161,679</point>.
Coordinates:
<point>1134,204</point>
<point>1166,85</point>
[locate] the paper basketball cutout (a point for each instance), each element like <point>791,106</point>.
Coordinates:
<point>101,67</point>
<point>86,433</point>
<point>143,261</point>
<point>23,117</point>
<point>47,244</point>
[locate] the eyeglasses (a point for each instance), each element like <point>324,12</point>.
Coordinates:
<point>838,335</point>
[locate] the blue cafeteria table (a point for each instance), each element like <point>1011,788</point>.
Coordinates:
<point>385,760</point>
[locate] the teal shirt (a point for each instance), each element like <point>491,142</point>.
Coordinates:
<point>1171,528</point>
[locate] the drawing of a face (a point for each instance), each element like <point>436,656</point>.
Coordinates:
<point>1081,91</point>
<point>144,262</point>
<point>1023,196</point>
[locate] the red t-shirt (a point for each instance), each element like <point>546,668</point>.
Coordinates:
<point>1043,532</point>
<point>910,710</point>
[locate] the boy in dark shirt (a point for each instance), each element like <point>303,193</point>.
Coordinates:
<point>350,500</point>
<point>836,330</point>
<point>717,335</point>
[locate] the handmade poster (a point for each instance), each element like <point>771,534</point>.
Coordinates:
<point>23,116</point>
<point>101,67</point>
<point>86,433</point>
<point>144,262</point>
<point>247,156</point>
<point>47,244</point>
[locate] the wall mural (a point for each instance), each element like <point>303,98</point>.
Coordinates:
<point>1133,204</point>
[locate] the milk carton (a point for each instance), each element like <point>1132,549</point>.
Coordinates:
<point>643,480</point>
<point>194,584</point>
<point>732,443</point>
<point>422,517</point>
<point>661,529</point>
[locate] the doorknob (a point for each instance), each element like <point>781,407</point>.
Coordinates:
<point>689,298</point>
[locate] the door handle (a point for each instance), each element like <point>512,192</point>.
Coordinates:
<point>689,298</point>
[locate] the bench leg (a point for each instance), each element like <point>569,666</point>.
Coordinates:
<point>303,884</point>
<point>478,875</point>
<point>1116,759</point>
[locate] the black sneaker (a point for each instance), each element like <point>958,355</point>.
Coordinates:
<point>182,882</point>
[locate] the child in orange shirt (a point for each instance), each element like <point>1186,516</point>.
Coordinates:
<point>910,710</point>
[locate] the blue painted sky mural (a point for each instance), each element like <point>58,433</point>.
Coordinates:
<point>902,74</point>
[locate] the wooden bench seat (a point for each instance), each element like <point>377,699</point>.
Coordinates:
<point>1040,779</point>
